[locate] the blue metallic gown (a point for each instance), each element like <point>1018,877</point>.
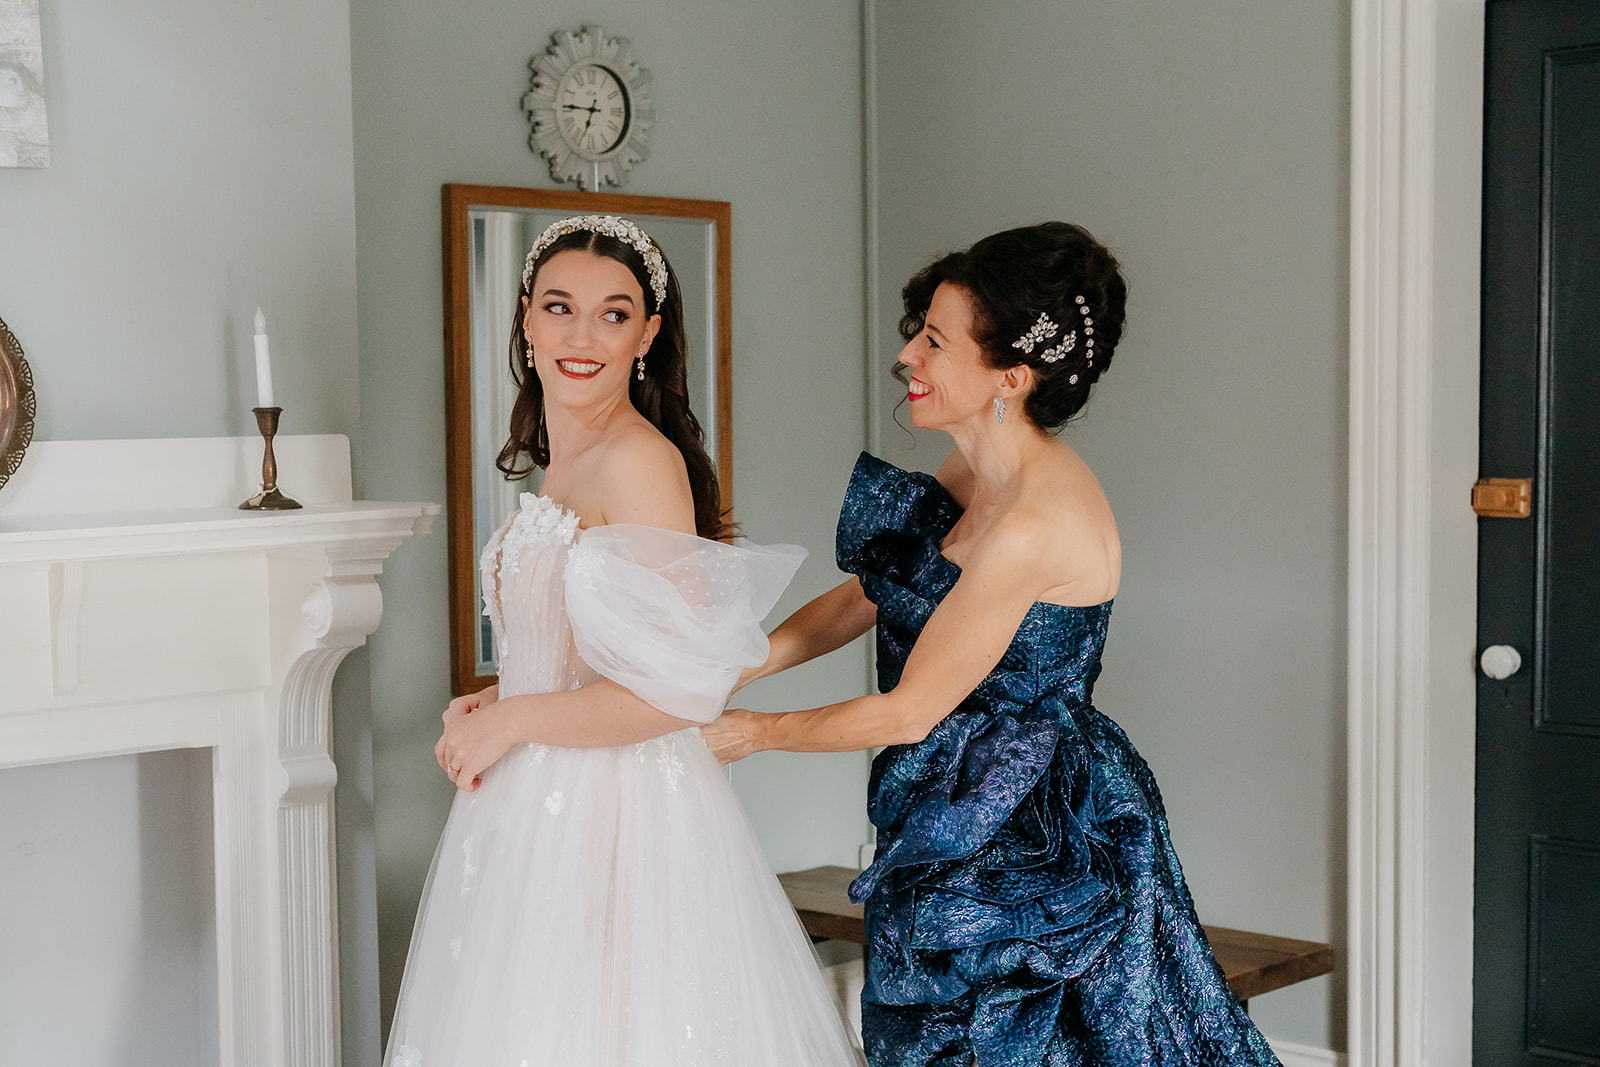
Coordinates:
<point>1025,905</point>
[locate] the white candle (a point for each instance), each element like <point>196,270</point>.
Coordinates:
<point>263,364</point>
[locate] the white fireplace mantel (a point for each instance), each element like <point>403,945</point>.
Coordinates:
<point>140,610</point>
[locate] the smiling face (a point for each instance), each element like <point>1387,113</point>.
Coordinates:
<point>950,380</point>
<point>585,324</point>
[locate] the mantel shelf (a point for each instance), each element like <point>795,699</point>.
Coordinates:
<point>114,535</point>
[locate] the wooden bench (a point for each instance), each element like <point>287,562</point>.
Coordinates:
<point>1253,963</point>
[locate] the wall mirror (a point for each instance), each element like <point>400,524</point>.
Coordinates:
<point>487,233</point>
<point>17,404</point>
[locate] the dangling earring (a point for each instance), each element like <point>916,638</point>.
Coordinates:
<point>527,347</point>
<point>999,409</point>
<point>641,366</point>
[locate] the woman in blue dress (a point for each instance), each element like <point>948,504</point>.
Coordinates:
<point>1025,905</point>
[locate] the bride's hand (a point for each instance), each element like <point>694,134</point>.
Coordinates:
<point>732,736</point>
<point>459,707</point>
<point>471,744</point>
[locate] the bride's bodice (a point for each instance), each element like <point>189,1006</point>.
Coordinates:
<point>668,615</point>
<point>524,597</point>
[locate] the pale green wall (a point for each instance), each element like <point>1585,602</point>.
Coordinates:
<point>760,106</point>
<point>200,165</point>
<point>203,163</point>
<point>1205,144</point>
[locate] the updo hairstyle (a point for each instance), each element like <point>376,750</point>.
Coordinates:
<point>1011,278</point>
<point>661,397</point>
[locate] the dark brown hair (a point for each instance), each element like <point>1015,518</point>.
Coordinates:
<point>662,397</point>
<point>1010,279</point>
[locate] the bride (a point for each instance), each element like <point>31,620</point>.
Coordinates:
<point>598,898</point>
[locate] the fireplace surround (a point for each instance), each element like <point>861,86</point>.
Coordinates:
<point>141,611</point>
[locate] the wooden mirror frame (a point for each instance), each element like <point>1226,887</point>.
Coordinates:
<point>459,461</point>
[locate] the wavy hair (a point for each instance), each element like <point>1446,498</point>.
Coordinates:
<point>662,397</point>
<point>1011,277</point>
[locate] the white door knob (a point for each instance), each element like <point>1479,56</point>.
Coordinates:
<point>1500,662</point>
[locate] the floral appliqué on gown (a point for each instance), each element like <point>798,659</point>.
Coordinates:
<point>611,907</point>
<point>1025,907</point>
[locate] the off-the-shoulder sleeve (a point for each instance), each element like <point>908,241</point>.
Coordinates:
<point>670,616</point>
<point>884,509</point>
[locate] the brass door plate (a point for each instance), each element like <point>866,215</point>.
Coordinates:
<point>1503,498</point>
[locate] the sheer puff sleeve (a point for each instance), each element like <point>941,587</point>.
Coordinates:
<point>673,617</point>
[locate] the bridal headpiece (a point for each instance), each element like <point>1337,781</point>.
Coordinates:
<point>1045,329</point>
<point>611,226</point>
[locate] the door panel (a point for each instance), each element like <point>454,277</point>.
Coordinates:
<point>1567,686</point>
<point>1561,992</point>
<point>1536,940</point>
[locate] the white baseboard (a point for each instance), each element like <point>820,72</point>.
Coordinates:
<point>1293,1055</point>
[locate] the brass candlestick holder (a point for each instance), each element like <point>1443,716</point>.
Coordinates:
<point>269,499</point>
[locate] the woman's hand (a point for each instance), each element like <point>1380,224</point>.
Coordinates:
<point>732,736</point>
<point>460,706</point>
<point>474,739</point>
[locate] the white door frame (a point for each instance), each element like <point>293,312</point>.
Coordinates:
<point>1415,202</point>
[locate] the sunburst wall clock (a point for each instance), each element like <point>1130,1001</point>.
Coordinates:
<point>590,107</point>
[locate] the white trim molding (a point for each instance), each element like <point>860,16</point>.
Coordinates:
<point>1292,1055</point>
<point>190,624</point>
<point>1416,91</point>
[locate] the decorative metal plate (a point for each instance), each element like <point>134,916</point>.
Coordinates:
<point>17,404</point>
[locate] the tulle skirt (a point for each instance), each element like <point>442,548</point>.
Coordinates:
<point>610,908</point>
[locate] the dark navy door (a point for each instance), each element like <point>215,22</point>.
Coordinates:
<point>1536,940</point>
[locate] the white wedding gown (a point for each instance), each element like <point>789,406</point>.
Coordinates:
<point>611,907</point>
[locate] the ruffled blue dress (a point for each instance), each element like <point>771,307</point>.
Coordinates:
<point>1025,906</point>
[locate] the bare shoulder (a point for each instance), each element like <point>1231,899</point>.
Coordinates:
<point>642,479</point>
<point>1018,537</point>
<point>1069,490</point>
<point>1063,519</point>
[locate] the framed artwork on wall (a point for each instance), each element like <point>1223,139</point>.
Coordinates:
<point>24,136</point>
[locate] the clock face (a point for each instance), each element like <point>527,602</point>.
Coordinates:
<point>592,109</point>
